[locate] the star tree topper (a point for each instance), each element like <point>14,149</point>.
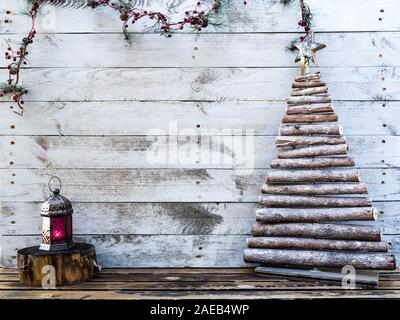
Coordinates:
<point>308,48</point>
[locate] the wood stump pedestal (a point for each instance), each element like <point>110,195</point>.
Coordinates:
<point>71,266</point>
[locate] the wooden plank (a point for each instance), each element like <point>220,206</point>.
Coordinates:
<point>202,295</point>
<point>152,84</point>
<point>137,218</point>
<point>370,277</point>
<point>138,118</point>
<point>173,151</point>
<point>257,16</point>
<point>160,251</point>
<point>124,251</point>
<point>244,271</point>
<point>164,185</point>
<point>178,285</point>
<point>227,50</point>
<point>176,218</point>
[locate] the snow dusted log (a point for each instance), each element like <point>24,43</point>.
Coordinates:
<point>380,261</point>
<point>308,77</point>
<point>292,141</point>
<point>309,99</point>
<point>284,176</point>
<point>317,244</point>
<point>323,150</point>
<point>308,84</point>
<point>309,91</point>
<point>299,118</point>
<point>319,230</point>
<point>316,189</point>
<point>279,215</point>
<point>309,108</point>
<point>313,163</point>
<point>303,201</point>
<point>333,129</point>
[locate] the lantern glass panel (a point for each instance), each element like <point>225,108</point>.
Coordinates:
<point>58,229</point>
<point>69,227</point>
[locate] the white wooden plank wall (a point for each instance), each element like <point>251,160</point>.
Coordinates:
<point>97,107</point>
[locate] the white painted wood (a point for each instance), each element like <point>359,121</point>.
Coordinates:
<point>190,50</point>
<point>165,185</point>
<point>160,151</point>
<point>138,118</point>
<point>137,218</point>
<point>172,218</point>
<point>237,75</point>
<point>156,251</point>
<point>201,83</point>
<point>148,251</point>
<point>257,16</point>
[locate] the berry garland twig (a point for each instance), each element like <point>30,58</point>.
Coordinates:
<point>198,18</point>
<point>18,58</point>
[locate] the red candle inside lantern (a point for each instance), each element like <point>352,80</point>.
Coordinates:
<point>57,222</point>
<point>58,229</point>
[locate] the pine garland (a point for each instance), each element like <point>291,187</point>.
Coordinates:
<point>198,18</point>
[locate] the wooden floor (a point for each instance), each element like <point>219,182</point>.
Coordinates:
<point>125,284</point>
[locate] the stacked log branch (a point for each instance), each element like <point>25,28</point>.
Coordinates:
<point>333,259</point>
<point>312,193</point>
<point>312,163</point>
<point>319,230</point>
<point>316,244</point>
<point>279,215</point>
<point>309,108</point>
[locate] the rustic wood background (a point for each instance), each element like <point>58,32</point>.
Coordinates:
<point>93,99</point>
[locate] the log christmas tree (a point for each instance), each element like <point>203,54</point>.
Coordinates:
<point>313,191</point>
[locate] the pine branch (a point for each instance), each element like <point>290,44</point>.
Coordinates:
<point>76,4</point>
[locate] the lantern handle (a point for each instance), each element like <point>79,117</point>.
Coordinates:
<point>56,189</point>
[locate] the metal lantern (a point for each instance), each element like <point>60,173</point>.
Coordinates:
<point>56,214</point>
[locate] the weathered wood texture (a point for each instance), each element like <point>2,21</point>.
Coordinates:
<point>190,151</point>
<point>159,185</point>
<point>151,50</point>
<point>195,283</point>
<point>97,134</point>
<point>110,118</point>
<point>260,17</point>
<point>212,84</point>
<point>71,266</point>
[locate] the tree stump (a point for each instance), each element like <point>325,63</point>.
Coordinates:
<point>71,266</point>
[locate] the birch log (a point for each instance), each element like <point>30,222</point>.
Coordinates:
<point>308,84</point>
<point>323,150</point>
<point>380,261</point>
<point>313,163</point>
<point>283,176</point>
<point>320,231</point>
<point>310,201</point>
<point>279,215</point>
<point>316,189</point>
<point>292,141</point>
<point>308,77</point>
<point>299,118</point>
<point>309,91</point>
<point>317,244</point>
<point>309,108</point>
<point>308,129</point>
<point>308,99</point>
